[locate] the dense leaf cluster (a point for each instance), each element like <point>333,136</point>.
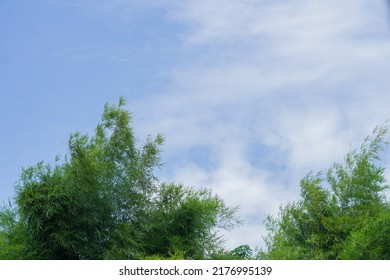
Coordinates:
<point>104,202</point>
<point>342,214</point>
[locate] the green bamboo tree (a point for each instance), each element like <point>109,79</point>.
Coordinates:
<point>339,213</point>
<point>104,202</point>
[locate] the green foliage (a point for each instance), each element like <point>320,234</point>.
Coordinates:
<point>243,252</point>
<point>371,242</point>
<point>336,212</point>
<point>104,202</point>
<point>175,254</point>
<point>12,239</point>
<point>185,219</point>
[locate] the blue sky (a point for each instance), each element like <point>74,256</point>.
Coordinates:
<point>251,95</point>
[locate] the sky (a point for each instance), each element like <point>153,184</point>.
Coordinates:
<point>251,95</point>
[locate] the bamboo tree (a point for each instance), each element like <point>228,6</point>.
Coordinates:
<point>336,211</point>
<point>104,202</point>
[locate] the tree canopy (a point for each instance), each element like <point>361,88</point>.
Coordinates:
<point>342,213</point>
<point>103,201</point>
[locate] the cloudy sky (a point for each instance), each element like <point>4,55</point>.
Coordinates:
<point>250,94</point>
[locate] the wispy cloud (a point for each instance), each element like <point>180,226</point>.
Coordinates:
<point>292,82</point>
<point>262,92</point>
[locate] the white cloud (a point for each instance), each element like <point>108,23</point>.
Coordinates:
<point>271,89</point>
<point>239,183</point>
<point>303,80</point>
